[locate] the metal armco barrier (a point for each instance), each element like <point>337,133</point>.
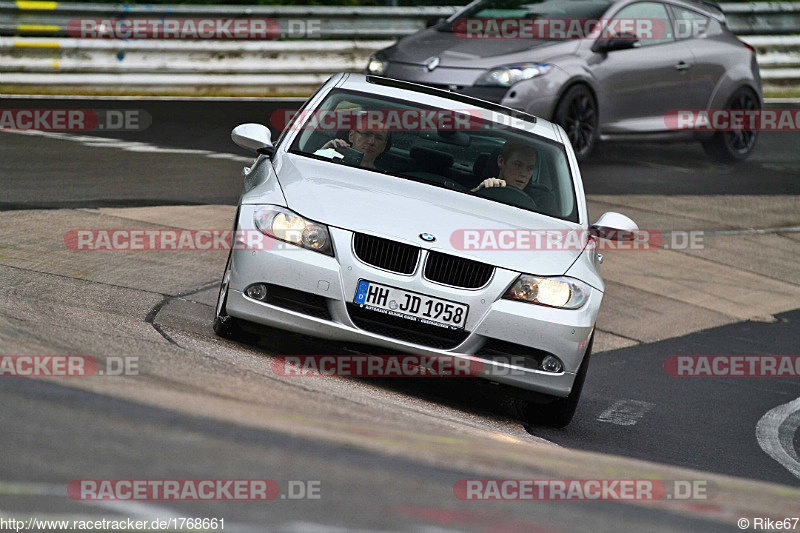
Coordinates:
<point>36,50</point>
<point>50,19</point>
<point>192,67</point>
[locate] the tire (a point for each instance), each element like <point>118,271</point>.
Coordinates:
<point>734,146</point>
<point>577,113</point>
<point>225,325</point>
<point>559,412</point>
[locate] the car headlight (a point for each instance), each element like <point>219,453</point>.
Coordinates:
<point>377,66</point>
<point>285,225</point>
<point>563,292</point>
<point>508,75</point>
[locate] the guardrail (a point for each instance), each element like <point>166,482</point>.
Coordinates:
<point>191,67</point>
<point>50,19</point>
<point>42,18</point>
<point>36,52</point>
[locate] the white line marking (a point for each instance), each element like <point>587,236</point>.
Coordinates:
<point>125,507</point>
<point>315,527</point>
<point>754,231</point>
<point>160,150</point>
<point>625,412</point>
<point>130,146</point>
<point>775,434</point>
<point>137,509</point>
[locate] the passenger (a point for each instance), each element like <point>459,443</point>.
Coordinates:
<point>371,142</point>
<point>516,162</point>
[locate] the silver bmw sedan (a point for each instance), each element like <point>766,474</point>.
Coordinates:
<point>423,222</point>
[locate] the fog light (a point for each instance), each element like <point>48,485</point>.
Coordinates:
<point>551,364</point>
<point>256,292</point>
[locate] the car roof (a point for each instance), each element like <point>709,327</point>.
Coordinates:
<point>445,100</point>
<point>711,8</point>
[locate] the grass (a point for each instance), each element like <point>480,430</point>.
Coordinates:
<point>782,93</point>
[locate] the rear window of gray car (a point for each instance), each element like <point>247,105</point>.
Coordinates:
<point>690,24</point>
<point>458,149</point>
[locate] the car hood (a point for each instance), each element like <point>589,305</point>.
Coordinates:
<point>399,209</point>
<point>455,52</point>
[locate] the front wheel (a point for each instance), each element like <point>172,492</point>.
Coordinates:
<point>577,113</point>
<point>225,325</point>
<point>736,145</point>
<point>559,412</point>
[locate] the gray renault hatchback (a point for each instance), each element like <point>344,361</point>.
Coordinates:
<point>608,85</point>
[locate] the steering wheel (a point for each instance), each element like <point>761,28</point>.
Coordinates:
<point>510,195</point>
<point>438,179</point>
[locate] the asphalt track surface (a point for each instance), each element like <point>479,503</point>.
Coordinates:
<point>387,452</point>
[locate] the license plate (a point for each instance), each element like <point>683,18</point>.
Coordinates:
<point>411,305</point>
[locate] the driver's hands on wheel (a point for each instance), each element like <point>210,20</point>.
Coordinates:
<point>490,182</point>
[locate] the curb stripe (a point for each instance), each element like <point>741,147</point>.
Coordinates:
<point>21,44</point>
<point>37,27</point>
<point>36,6</point>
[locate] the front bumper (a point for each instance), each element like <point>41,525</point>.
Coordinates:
<point>490,321</point>
<point>537,96</point>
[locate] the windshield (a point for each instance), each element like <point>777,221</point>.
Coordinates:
<point>460,150</point>
<point>551,9</point>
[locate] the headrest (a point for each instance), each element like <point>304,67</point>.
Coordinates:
<point>432,160</point>
<point>486,166</point>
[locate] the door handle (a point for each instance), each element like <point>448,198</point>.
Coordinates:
<point>682,65</point>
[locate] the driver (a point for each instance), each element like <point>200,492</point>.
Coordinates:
<point>372,142</point>
<point>517,163</point>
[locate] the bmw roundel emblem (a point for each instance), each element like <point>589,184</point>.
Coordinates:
<point>427,237</point>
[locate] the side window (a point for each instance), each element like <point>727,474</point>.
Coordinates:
<point>288,122</point>
<point>650,20</point>
<point>689,24</point>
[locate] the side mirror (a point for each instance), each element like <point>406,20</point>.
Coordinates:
<point>253,137</point>
<point>625,41</point>
<point>615,227</point>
